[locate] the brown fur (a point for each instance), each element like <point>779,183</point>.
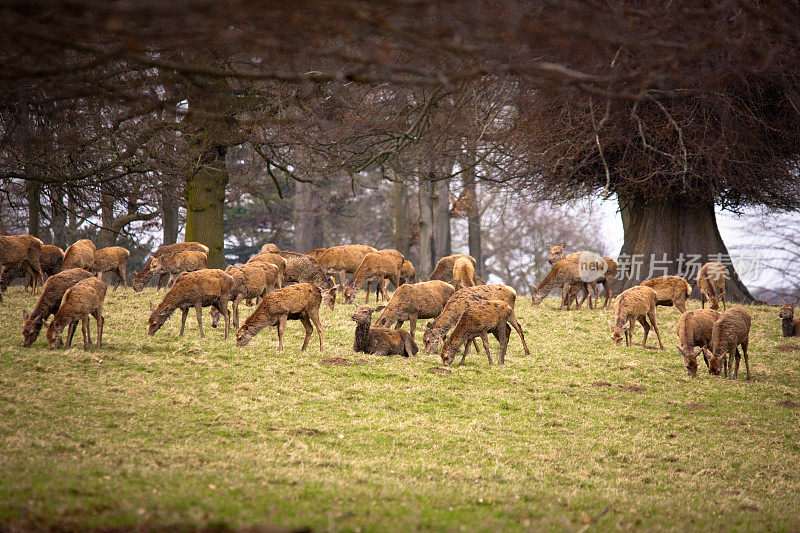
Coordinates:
<point>296,302</point>
<point>269,248</point>
<point>272,259</point>
<point>79,255</point>
<point>50,261</point>
<point>160,253</point>
<point>303,269</point>
<point>249,281</point>
<point>198,289</point>
<point>556,254</point>
<point>463,273</point>
<point>173,264</point>
<point>21,249</point>
<point>408,274</point>
<point>316,253</point>
<point>376,266</point>
<point>694,330</point>
<point>711,283</point>
<point>730,330</point>
<point>444,269</point>
<point>81,300</point>
<point>112,259</point>
<point>564,274</point>
<point>670,290</point>
<point>414,301</point>
<point>636,303</point>
<point>462,299</point>
<point>790,326</point>
<point>49,301</point>
<point>343,260</point>
<point>491,316</point>
<point>379,340</point>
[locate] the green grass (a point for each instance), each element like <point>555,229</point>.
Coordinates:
<point>162,431</point>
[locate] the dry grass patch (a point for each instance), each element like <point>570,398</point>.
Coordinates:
<point>163,432</point>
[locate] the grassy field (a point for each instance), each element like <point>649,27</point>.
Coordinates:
<point>162,431</point>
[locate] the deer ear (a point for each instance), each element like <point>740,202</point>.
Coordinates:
<point>152,308</point>
<point>380,308</point>
<point>563,244</point>
<point>244,327</point>
<point>611,325</point>
<point>25,315</point>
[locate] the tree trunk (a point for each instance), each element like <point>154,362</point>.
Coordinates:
<point>307,218</point>
<point>169,214</point>
<point>205,205</point>
<point>426,245</point>
<point>676,238</point>
<point>402,226</point>
<point>107,236</point>
<point>72,217</point>
<point>474,223</point>
<point>58,217</point>
<point>32,190</point>
<point>441,219</point>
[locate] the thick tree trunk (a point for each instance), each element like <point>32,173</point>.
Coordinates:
<point>307,218</point>
<point>32,191</point>
<point>402,225</point>
<point>474,224</point>
<point>205,205</point>
<point>169,214</point>
<point>675,237</point>
<point>107,235</point>
<point>441,220</point>
<point>426,245</point>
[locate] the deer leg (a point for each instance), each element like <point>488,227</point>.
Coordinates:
<point>199,309</point>
<point>343,279</point>
<point>646,327</point>
<point>413,325</point>
<point>746,362</point>
<point>314,316</point>
<point>467,346</point>
<point>512,319</point>
<point>281,327</point>
<point>652,316</point>
<point>485,341</point>
<point>503,334</point>
<point>71,332</point>
<point>309,330</point>
<point>235,306</point>
<point>724,305</point>
<point>87,340</point>
<point>184,314</point>
<point>100,319</point>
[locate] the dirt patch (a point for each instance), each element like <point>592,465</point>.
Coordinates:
<point>789,348</point>
<point>734,423</point>
<point>751,508</point>
<point>335,361</point>
<point>440,370</point>
<point>601,384</point>
<point>365,362</point>
<point>695,406</point>
<point>789,404</point>
<point>631,388</point>
<point>306,431</point>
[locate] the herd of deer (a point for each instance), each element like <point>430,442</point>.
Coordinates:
<point>454,298</point>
